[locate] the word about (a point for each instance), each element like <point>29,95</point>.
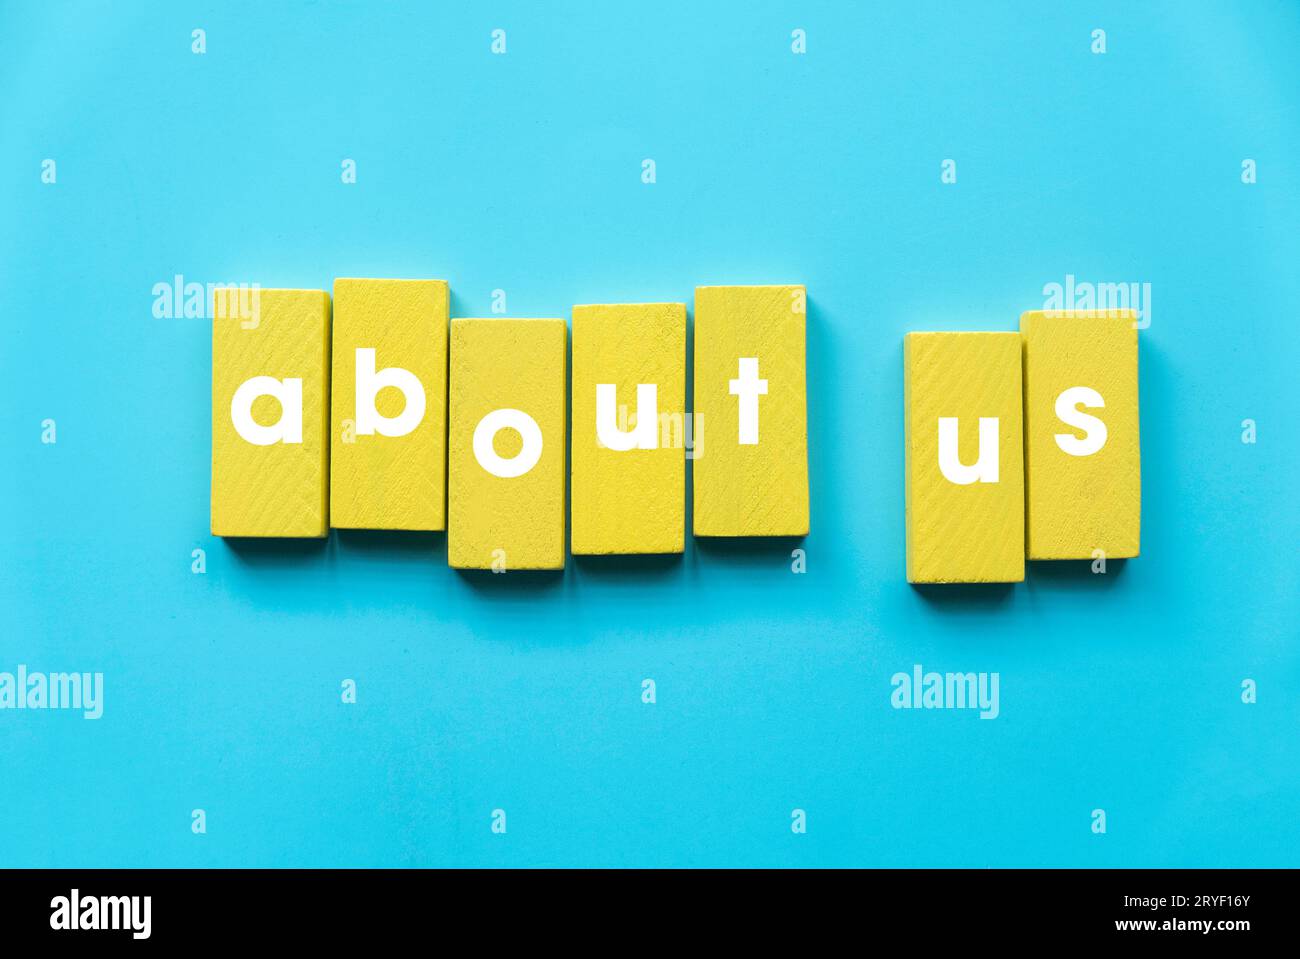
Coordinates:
<point>373,410</point>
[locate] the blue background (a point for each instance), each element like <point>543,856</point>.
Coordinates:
<point>521,692</point>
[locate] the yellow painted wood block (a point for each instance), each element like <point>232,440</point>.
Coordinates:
<point>1083,478</point>
<point>628,456</point>
<point>751,470</point>
<point>964,458</point>
<point>506,441</point>
<point>270,410</point>
<point>388,444</point>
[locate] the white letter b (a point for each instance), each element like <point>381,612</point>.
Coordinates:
<point>369,383</point>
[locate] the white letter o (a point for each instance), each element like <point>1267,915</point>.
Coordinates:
<point>521,462</point>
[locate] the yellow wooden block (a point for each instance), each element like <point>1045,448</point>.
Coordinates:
<point>1083,480</point>
<point>270,409</point>
<point>964,458</point>
<point>629,473</point>
<point>751,468</point>
<point>388,449</point>
<point>506,436</point>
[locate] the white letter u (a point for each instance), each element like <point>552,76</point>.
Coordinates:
<point>643,436</point>
<point>985,469</point>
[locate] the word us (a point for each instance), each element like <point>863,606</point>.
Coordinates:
<point>1002,461</point>
<point>384,415</point>
<point>375,411</point>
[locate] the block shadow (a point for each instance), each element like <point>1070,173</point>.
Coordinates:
<point>964,597</point>
<point>274,550</point>
<point>629,565</point>
<point>1054,574</point>
<point>752,551</point>
<point>521,584</point>
<point>1073,572</point>
<point>393,542</point>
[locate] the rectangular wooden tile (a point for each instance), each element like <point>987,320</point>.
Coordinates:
<point>964,461</point>
<point>270,408</point>
<point>1083,471</point>
<point>506,442</point>
<point>388,447</point>
<point>751,474</point>
<point>629,493</point>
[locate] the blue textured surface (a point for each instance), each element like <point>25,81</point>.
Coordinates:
<point>522,172</point>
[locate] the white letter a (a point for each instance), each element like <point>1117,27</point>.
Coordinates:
<point>289,427</point>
